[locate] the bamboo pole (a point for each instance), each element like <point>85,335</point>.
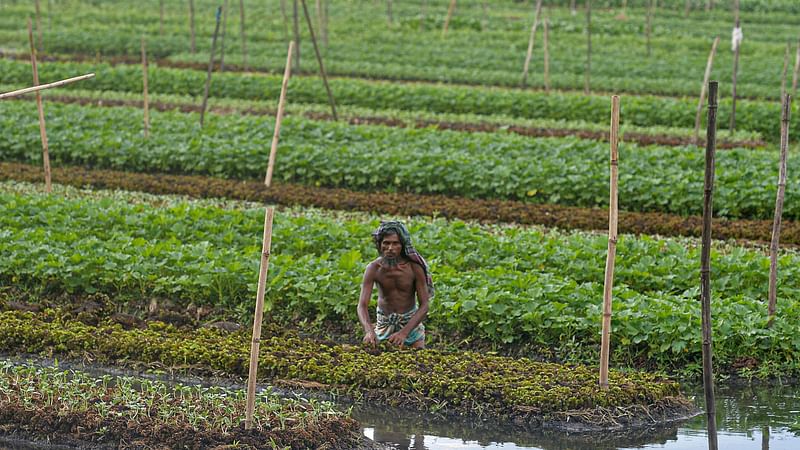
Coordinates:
<point>40,107</point>
<point>319,60</point>
<point>705,267</point>
<point>38,26</point>
<point>776,222</point>
<point>587,74</point>
<point>287,72</point>
<point>649,25</point>
<point>42,87</point>
<point>285,21</point>
<point>191,26</point>
<point>222,37</point>
<point>296,25</point>
<point>161,17</point>
<point>266,244</point>
<point>450,10</point>
<point>785,69</point>
<point>796,69</point>
<point>210,67</point>
<point>613,214</point>
<point>735,71</point>
<point>546,56</point>
<point>703,88</point>
<point>144,89</point>
<point>244,35</point>
<point>530,42</point>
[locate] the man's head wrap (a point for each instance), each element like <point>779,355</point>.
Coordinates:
<point>409,251</point>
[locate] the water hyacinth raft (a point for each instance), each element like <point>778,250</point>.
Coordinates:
<point>521,391</point>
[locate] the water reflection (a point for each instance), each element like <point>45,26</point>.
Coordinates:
<point>747,418</point>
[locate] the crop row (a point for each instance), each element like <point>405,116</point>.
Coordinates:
<point>642,111</point>
<point>563,171</point>
<point>495,56</point>
<point>546,295</point>
<point>464,382</point>
<point>151,413</point>
<point>405,204</point>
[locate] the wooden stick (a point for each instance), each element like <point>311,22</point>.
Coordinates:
<point>38,26</point>
<point>259,312</point>
<point>705,267</point>
<point>210,67</point>
<point>776,222</point>
<point>613,214</point>
<point>319,60</point>
<point>546,57</point>
<point>191,25</point>
<point>244,36</point>
<point>785,70</point>
<point>450,10</point>
<point>222,37</point>
<point>161,17</point>
<point>42,87</point>
<point>703,88</point>
<point>648,25</point>
<point>587,74</point>
<point>796,69</point>
<point>287,73</point>
<point>530,42</point>
<point>144,88</point>
<point>40,107</point>
<point>296,37</point>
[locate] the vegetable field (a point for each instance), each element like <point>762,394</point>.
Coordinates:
<point>147,251</point>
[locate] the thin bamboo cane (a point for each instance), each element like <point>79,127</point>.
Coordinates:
<point>296,25</point>
<point>42,87</point>
<point>450,10</point>
<point>144,89</point>
<point>613,215</point>
<point>287,72</point>
<point>259,313</point>
<point>319,60</point>
<point>530,42</point>
<point>285,21</point>
<point>222,37</point>
<point>587,74</point>
<point>38,26</point>
<point>703,88</point>
<point>191,26</point>
<point>40,107</point>
<point>210,67</point>
<point>776,222</point>
<point>705,267</point>
<point>796,69</point>
<point>244,35</point>
<point>161,17</point>
<point>785,69</point>
<point>546,56</point>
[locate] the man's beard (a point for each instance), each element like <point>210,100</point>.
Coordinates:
<point>390,262</point>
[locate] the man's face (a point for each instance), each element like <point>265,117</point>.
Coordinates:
<point>391,246</point>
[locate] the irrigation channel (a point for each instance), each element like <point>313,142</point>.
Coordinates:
<point>748,417</point>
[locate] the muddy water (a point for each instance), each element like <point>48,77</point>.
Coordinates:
<point>747,418</point>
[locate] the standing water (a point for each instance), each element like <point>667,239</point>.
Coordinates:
<point>751,417</point>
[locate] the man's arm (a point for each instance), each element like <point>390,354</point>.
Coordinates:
<point>423,297</point>
<point>363,304</point>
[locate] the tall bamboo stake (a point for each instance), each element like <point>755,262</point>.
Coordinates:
<point>210,67</point>
<point>530,42</point>
<point>705,267</point>
<point>546,57</point>
<point>450,10</point>
<point>796,69</point>
<point>244,36</point>
<point>144,89</point>
<point>613,214</point>
<point>222,36</point>
<point>648,25</point>
<point>735,71</point>
<point>161,17</point>
<point>296,25</point>
<point>285,21</point>
<point>319,60</point>
<point>703,88</point>
<point>38,26</point>
<point>191,26</point>
<point>287,71</point>
<point>42,87</point>
<point>785,69</point>
<point>259,313</point>
<point>776,222</point>
<point>587,74</point>
<point>40,107</point>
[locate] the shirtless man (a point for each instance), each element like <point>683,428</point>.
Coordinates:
<point>401,275</point>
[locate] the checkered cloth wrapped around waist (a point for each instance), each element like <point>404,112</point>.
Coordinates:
<point>389,324</point>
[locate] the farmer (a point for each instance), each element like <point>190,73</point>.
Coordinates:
<point>400,273</point>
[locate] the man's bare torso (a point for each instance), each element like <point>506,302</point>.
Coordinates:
<point>396,286</point>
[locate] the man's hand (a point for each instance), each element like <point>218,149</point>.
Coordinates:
<point>398,338</point>
<point>370,338</point>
